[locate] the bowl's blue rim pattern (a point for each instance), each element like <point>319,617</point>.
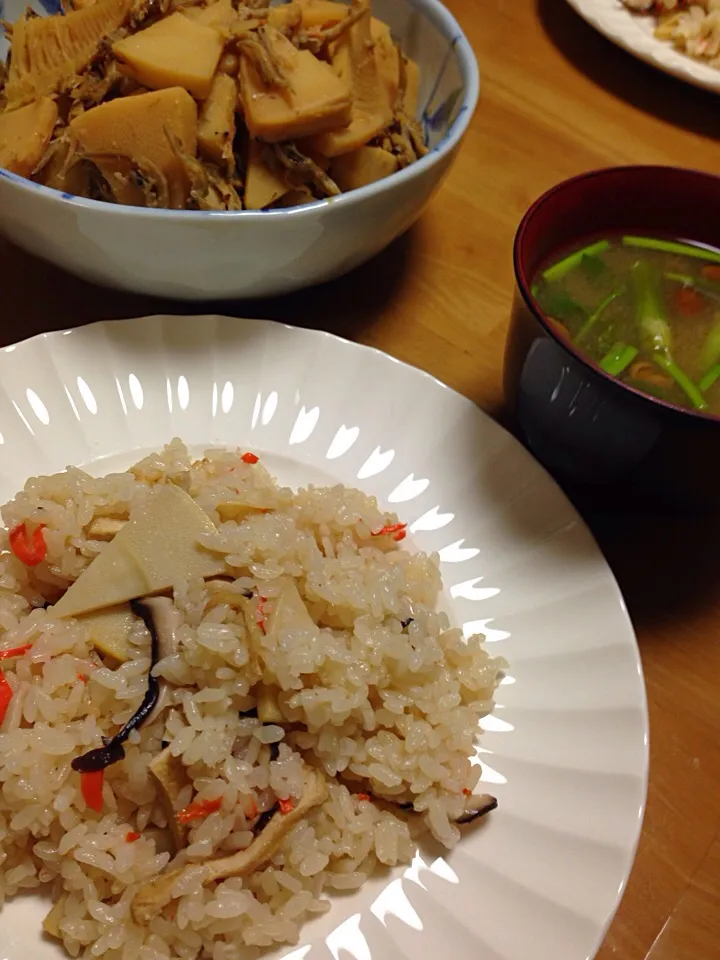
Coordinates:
<point>460,108</point>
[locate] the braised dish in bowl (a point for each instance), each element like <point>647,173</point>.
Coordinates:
<point>227,149</point>
<point>219,106</point>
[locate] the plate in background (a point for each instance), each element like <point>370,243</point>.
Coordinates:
<point>635,33</point>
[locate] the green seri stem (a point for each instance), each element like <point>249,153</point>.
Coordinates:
<point>710,353</point>
<point>682,380</point>
<point>558,270</point>
<point>595,316</point>
<point>655,329</point>
<point>697,283</point>
<point>710,377</point>
<point>652,324</point>
<point>672,246</point>
<point>618,358</point>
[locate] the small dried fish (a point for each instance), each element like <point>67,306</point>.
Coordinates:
<point>127,177</point>
<point>317,39</point>
<point>255,46</point>
<point>146,12</point>
<point>302,169</point>
<point>202,196</point>
<point>417,137</point>
<point>90,89</point>
<point>225,189</point>
<point>62,169</point>
<point>407,141</point>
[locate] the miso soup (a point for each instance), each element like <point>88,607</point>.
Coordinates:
<point>646,310</point>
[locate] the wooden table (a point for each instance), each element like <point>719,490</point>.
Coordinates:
<point>557,100</point>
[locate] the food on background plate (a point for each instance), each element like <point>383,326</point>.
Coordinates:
<point>692,26</point>
<point>646,310</point>
<point>220,702</point>
<point>208,104</point>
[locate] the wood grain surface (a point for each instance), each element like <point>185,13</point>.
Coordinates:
<point>557,99</point>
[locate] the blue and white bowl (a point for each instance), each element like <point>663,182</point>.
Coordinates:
<point>195,255</point>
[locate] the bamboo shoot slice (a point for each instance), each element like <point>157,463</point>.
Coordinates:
<point>219,15</point>
<point>312,14</point>
<point>216,127</point>
<point>315,100</point>
<point>171,777</point>
<point>150,554</point>
<point>263,186</point>
<point>109,631</point>
<point>362,166</point>
<point>355,62</point>
<point>321,13</point>
<point>138,127</point>
<point>387,58</point>
<point>174,52</point>
<point>48,51</point>
<point>25,134</point>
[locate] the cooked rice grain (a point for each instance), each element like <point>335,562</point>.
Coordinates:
<point>383,709</point>
<point>692,26</point>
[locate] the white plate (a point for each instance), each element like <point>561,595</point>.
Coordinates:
<point>636,35</point>
<point>566,750</point>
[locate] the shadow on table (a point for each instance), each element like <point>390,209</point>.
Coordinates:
<point>626,77</point>
<point>38,297</point>
<point>666,561</point>
<point>667,566</point>
<point>349,305</point>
